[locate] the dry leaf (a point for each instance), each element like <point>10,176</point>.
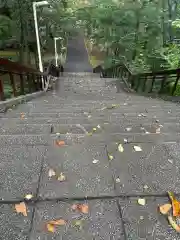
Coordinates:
<point>164,209</point>
<point>128,129</point>
<point>61,177</point>
<point>175,204</point>
<point>28,196</point>
<point>51,225</point>
<point>60,142</point>
<point>22,115</point>
<point>84,208</point>
<point>89,116</point>
<point>141,201</point>
<point>90,134</point>
<point>118,180</point>
<point>137,148</point>
<point>173,224</point>
<point>94,129</point>
<point>74,207</point>
<point>78,223</point>
<point>110,157</point>
<point>98,126</point>
<point>158,130</point>
<point>59,222</point>
<point>120,148</point>
<point>95,161</point>
<point>21,208</point>
<point>125,140</point>
<point>51,173</point>
<point>145,187</point>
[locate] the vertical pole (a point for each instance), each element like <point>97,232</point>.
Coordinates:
<point>55,49</point>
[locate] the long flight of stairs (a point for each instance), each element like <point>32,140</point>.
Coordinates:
<point>86,112</point>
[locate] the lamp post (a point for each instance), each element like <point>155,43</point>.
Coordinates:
<point>55,49</point>
<point>35,5</point>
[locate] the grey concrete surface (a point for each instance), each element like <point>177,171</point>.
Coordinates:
<point>28,151</point>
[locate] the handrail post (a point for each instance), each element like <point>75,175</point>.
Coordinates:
<point>2,97</point>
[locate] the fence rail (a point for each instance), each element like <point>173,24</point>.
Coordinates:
<point>16,79</point>
<point>157,82</point>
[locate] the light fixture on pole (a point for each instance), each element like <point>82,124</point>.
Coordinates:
<point>55,49</point>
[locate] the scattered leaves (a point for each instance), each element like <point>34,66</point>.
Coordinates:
<point>173,223</point>
<point>95,161</point>
<point>51,173</point>
<point>61,177</point>
<point>141,201</point>
<point>120,148</point>
<point>137,148</point>
<point>29,196</point>
<point>175,204</point>
<point>51,225</point>
<point>60,143</point>
<point>21,208</point>
<point>164,209</point>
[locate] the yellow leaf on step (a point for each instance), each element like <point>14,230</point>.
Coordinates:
<point>120,148</point>
<point>141,201</point>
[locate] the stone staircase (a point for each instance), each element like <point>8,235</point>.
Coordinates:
<point>111,184</point>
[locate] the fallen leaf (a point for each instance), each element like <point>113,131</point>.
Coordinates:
<point>120,148</point>
<point>51,173</point>
<point>78,223</point>
<point>60,142</point>
<point>21,208</point>
<point>22,115</point>
<point>158,130</point>
<point>141,201</point>
<point>51,225</point>
<point>61,177</point>
<point>98,126</point>
<point>51,228</point>
<point>59,222</point>
<point>141,217</point>
<point>74,207</point>
<point>84,208</point>
<point>95,161</point>
<point>118,180</point>
<point>175,204</point>
<point>170,161</point>
<point>145,187</point>
<point>90,134</point>
<point>110,157</point>
<point>94,129</point>
<point>173,223</point>
<point>164,209</point>
<point>113,106</point>
<point>28,196</point>
<point>89,116</point>
<point>128,129</point>
<point>137,148</point>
